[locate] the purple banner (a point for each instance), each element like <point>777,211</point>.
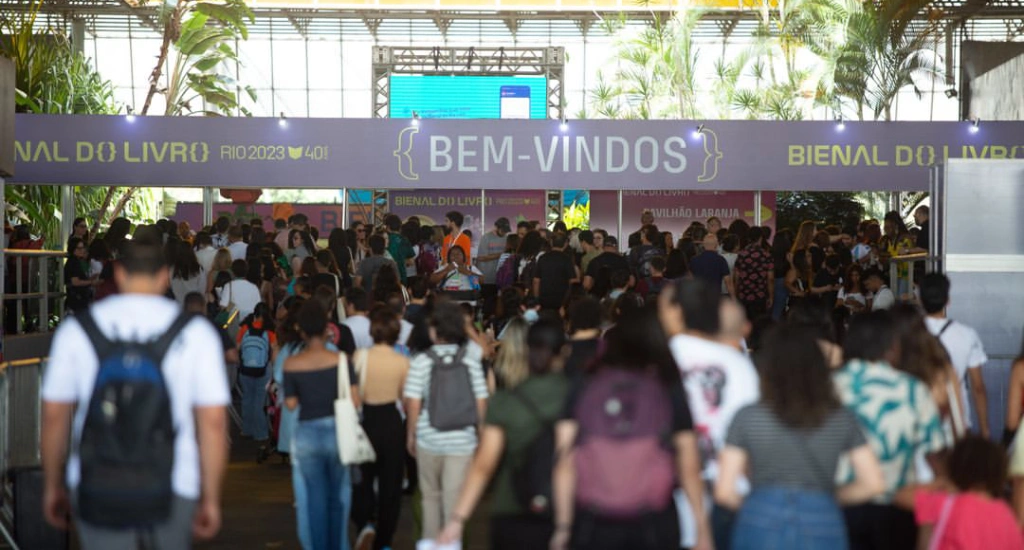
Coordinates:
<point>431,205</point>
<point>497,154</point>
<point>674,211</point>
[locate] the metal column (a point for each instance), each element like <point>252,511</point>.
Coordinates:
<point>483,213</point>
<point>757,208</point>
<point>618,231</point>
<point>344,207</point>
<point>67,213</point>
<point>207,206</point>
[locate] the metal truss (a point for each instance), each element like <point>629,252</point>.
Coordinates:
<point>547,62</point>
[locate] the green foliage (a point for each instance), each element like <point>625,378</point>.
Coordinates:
<point>576,215</point>
<point>829,208</point>
<point>199,77</point>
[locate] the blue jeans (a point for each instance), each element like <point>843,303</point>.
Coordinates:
<point>254,395</point>
<point>780,299</point>
<point>327,483</point>
<point>775,518</point>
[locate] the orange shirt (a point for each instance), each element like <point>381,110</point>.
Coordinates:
<point>462,241</point>
<point>256,324</point>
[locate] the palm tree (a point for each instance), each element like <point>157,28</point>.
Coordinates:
<point>887,44</point>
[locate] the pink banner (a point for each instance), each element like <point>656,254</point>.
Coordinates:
<point>675,210</point>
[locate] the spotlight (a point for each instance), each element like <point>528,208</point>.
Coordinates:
<point>564,124</point>
<point>975,125</point>
<point>699,130</point>
<point>282,121</point>
<point>840,125</point>
<point>130,116</point>
<point>415,118</point>
<point>951,93</point>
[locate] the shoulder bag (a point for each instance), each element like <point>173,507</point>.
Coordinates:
<point>353,445</point>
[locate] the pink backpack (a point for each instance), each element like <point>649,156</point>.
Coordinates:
<point>625,464</point>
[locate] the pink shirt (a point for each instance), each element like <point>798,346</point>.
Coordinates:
<point>974,522</point>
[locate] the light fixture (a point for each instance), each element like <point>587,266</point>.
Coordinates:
<point>975,125</point>
<point>840,125</point>
<point>130,116</point>
<point>283,121</point>
<point>951,93</point>
<point>699,130</point>
<point>415,118</point>
<point>564,124</point>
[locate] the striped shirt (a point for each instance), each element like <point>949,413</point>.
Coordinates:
<point>417,386</point>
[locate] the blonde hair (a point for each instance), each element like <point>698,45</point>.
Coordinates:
<point>221,261</point>
<point>511,365</point>
<point>804,236</point>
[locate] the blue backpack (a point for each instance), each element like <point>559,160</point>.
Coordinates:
<point>126,447</point>
<point>254,353</point>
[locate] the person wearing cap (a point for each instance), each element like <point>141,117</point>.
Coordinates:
<point>646,218</point>
<point>492,245</point>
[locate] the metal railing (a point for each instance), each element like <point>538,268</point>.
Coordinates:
<point>35,288</point>
<point>931,264</point>
<point>20,429</point>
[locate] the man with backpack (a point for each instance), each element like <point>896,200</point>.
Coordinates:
<point>145,386</point>
<point>446,399</point>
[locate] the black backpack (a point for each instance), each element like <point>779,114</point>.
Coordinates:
<point>126,447</point>
<point>531,479</point>
<point>452,403</point>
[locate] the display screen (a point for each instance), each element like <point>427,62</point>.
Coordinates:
<point>468,96</point>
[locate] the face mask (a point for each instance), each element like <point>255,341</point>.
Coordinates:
<point>531,316</point>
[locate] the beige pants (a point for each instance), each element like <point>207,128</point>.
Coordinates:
<point>441,479</point>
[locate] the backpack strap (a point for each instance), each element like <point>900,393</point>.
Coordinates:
<point>160,346</point>
<point>944,328</point>
<point>531,407</point>
<point>99,341</point>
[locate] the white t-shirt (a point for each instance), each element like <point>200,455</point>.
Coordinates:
<point>360,327</point>
<point>244,294</point>
<point>405,333</point>
<point>182,287</point>
<point>856,296</point>
<point>730,258</point>
<point>965,351</point>
<point>193,370</point>
<point>884,299</point>
<point>205,257</point>
<point>719,381</point>
<point>456,280</point>
<point>237,250</point>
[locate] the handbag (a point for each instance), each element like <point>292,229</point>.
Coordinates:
<point>228,319</point>
<point>353,445</point>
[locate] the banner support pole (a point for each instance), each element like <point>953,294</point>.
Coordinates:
<point>483,214</point>
<point>619,207</point>
<point>207,206</point>
<point>757,208</point>
<point>344,207</point>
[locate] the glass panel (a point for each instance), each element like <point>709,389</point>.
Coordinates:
<point>113,61</point>
<point>324,64</point>
<point>325,103</point>
<point>356,103</point>
<point>255,57</point>
<point>291,102</point>
<point>289,64</point>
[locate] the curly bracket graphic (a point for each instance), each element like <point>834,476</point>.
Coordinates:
<point>403,153</point>
<point>712,156</point>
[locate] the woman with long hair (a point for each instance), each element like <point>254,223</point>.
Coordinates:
<point>510,366</point>
<point>382,371</point>
<point>80,229</point>
<point>338,244</point>
<point>922,355</point>
<point>311,387</point>
<point>300,244</point>
<point>791,443</point>
<point>78,282</point>
<point>852,296</point>
<point>804,238</point>
<point>634,392</point>
<point>798,279</point>
<point>186,273</point>
<point>516,416</point>
<point>386,283</point>
<point>221,264</point>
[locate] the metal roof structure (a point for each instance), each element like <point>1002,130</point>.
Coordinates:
<point>972,19</point>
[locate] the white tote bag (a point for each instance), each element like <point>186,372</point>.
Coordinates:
<point>353,445</point>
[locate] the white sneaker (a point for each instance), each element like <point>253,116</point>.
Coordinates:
<point>365,539</point>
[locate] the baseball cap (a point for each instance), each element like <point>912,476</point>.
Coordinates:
<point>610,241</point>
<point>503,224</point>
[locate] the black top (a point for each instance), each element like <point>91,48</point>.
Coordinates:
<point>824,278</point>
<point>924,237</point>
<point>554,269</point>
<point>78,297</point>
<point>316,389</point>
<point>581,354</point>
<point>710,266</point>
<point>328,280</point>
<point>601,269</point>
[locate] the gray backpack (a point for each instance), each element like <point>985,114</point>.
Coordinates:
<point>452,404</point>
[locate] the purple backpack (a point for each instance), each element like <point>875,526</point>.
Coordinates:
<point>625,465</point>
<point>507,273</point>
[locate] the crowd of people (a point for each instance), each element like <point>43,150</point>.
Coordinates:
<point>729,389</point>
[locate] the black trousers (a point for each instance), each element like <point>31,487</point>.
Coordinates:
<point>880,527</point>
<point>383,425</point>
<point>489,298</point>
<point>520,533</point>
<point>654,531</point>
<point>755,309</point>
